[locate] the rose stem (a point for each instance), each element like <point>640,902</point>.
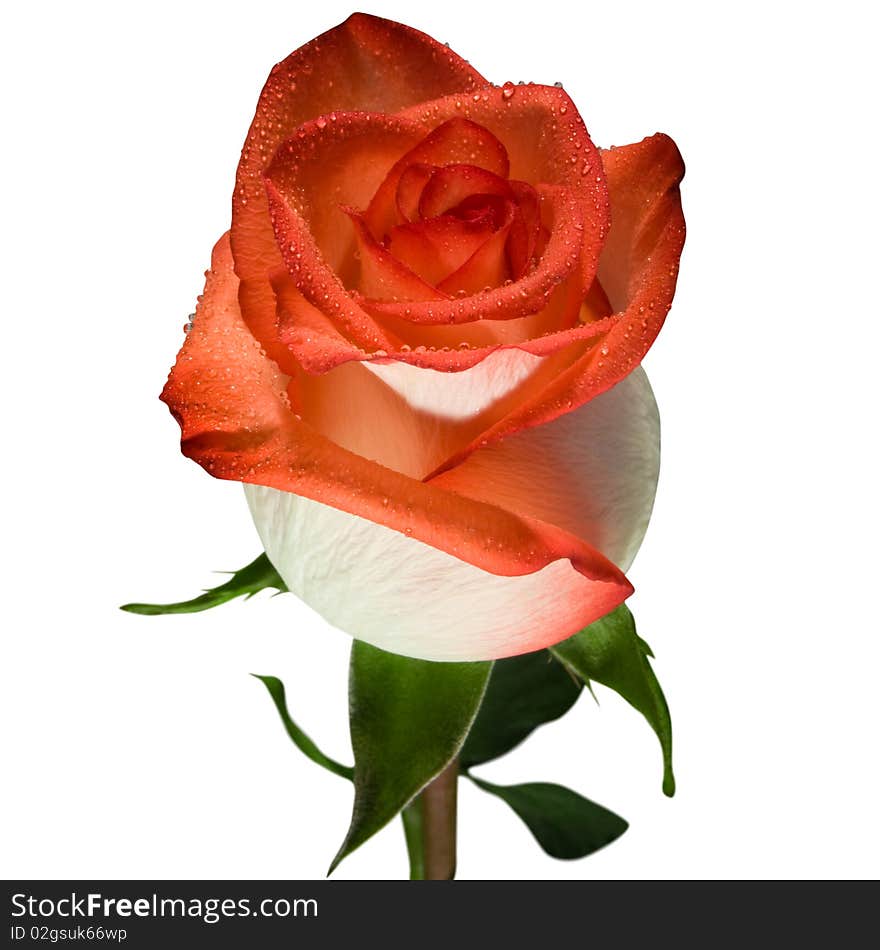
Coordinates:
<point>438,800</point>
<point>415,847</point>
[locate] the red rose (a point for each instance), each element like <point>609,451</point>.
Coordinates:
<point>408,341</point>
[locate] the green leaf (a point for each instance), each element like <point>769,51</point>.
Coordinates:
<point>566,825</point>
<point>411,815</point>
<point>257,576</point>
<point>408,720</point>
<point>610,652</point>
<point>300,739</point>
<point>523,693</point>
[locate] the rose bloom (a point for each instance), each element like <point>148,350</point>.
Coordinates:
<point>419,346</point>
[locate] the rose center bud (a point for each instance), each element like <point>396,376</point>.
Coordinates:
<point>450,229</point>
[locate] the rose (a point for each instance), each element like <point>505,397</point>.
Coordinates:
<point>419,346</point>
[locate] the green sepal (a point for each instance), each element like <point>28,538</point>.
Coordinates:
<point>408,720</point>
<point>257,576</point>
<point>523,693</point>
<point>298,737</point>
<point>610,652</point>
<point>566,825</point>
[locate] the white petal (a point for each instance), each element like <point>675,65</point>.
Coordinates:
<point>592,471</point>
<point>405,596</point>
<point>461,395</point>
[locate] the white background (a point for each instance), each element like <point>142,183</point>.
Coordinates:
<point>140,747</point>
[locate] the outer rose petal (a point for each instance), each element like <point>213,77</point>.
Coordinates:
<point>593,471</point>
<point>236,421</point>
<point>364,63</point>
<point>405,596</point>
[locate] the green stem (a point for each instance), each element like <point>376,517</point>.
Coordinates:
<point>412,828</point>
<point>439,800</point>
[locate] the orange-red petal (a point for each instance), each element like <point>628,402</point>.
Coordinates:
<point>384,276</point>
<point>365,63</point>
<point>436,248</point>
<point>486,267</point>
<point>452,184</point>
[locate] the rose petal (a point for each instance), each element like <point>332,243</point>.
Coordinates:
<point>486,267</point>
<point>592,471</point>
<point>236,421</point>
<point>436,248</point>
<point>409,190</point>
<point>333,163</point>
<point>311,340</point>
<point>410,598</point>
<point>382,275</point>
<point>643,181</point>
<point>452,348</point>
<point>525,233</point>
<point>454,141</point>
<point>365,63</point>
<point>450,185</point>
<point>317,282</point>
